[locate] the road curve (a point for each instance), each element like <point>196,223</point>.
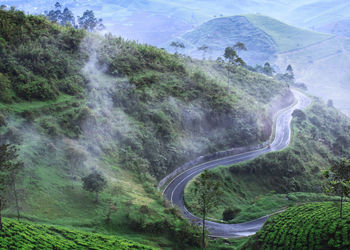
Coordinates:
<point>174,191</point>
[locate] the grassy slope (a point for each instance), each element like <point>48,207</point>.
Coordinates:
<point>25,235</point>
<point>285,36</point>
<point>134,112</point>
<point>310,226</point>
<point>280,179</point>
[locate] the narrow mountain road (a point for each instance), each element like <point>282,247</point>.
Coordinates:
<point>174,191</point>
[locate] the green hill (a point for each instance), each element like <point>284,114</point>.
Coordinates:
<point>24,235</point>
<point>263,36</point>
<point>310,226</point>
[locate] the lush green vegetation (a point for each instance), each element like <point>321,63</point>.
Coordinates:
<point>25,235</point>
<point>133,112</point>
<point>39,60</point>
<point>309,226</point>
<point>281,179</point>
<point>75,102</point>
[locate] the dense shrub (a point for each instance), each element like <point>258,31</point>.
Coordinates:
<point>36,56</point>
<point>230,213</point>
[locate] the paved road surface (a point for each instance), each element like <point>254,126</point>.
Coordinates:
<point>174,191</point>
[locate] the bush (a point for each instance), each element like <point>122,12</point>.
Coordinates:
<point>37,89</point>
<point>230,213</point>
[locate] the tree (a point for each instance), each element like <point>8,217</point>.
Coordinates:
<point>204,49</point>
<point>233,59</point>
<point>67,18</point>
<point>9,168</point>
<point>89,22</point>
<point>339,180</point>
<point>94,182</point>
<point>177,45</point>
<point>207,194</point>
<point>267,69</point>
<point>330,103</point>
<point>290,73</point>
<point>239,46</point>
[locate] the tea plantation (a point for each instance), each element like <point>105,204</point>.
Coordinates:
<point>309,226</point>
<point>23,235</point>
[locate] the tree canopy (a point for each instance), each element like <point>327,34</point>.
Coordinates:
<point>94,182</point>
<point>339,180</point>
<point>207,195</point>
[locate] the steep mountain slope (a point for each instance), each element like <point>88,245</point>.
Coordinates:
<point>263,36</point>
<point>76,102</point>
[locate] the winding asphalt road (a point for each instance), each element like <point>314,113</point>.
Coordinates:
<point>174,191</point>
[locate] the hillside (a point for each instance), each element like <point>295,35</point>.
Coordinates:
<point>75,102</point>
<point>340,27</point>
<point>323,68</point>
<point>310,226</point>
<point>286,36</point>
<point>263,36</point>
<point>281,179</point>
<point>318,13</point>
<point>24,235</point>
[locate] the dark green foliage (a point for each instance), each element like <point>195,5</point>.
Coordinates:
<point>63,18</point>
<point>339,180</point>
<point>267,69</point>
<point>299,114</point>
<point>26,235</point>
<point>36,56</point>
<point>94,182</point>
<point>310,226</point>
<point>232,56</point>
<point>89,22</point>
<point>230,213</point>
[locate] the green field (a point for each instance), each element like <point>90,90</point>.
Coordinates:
<point>309,226</point>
